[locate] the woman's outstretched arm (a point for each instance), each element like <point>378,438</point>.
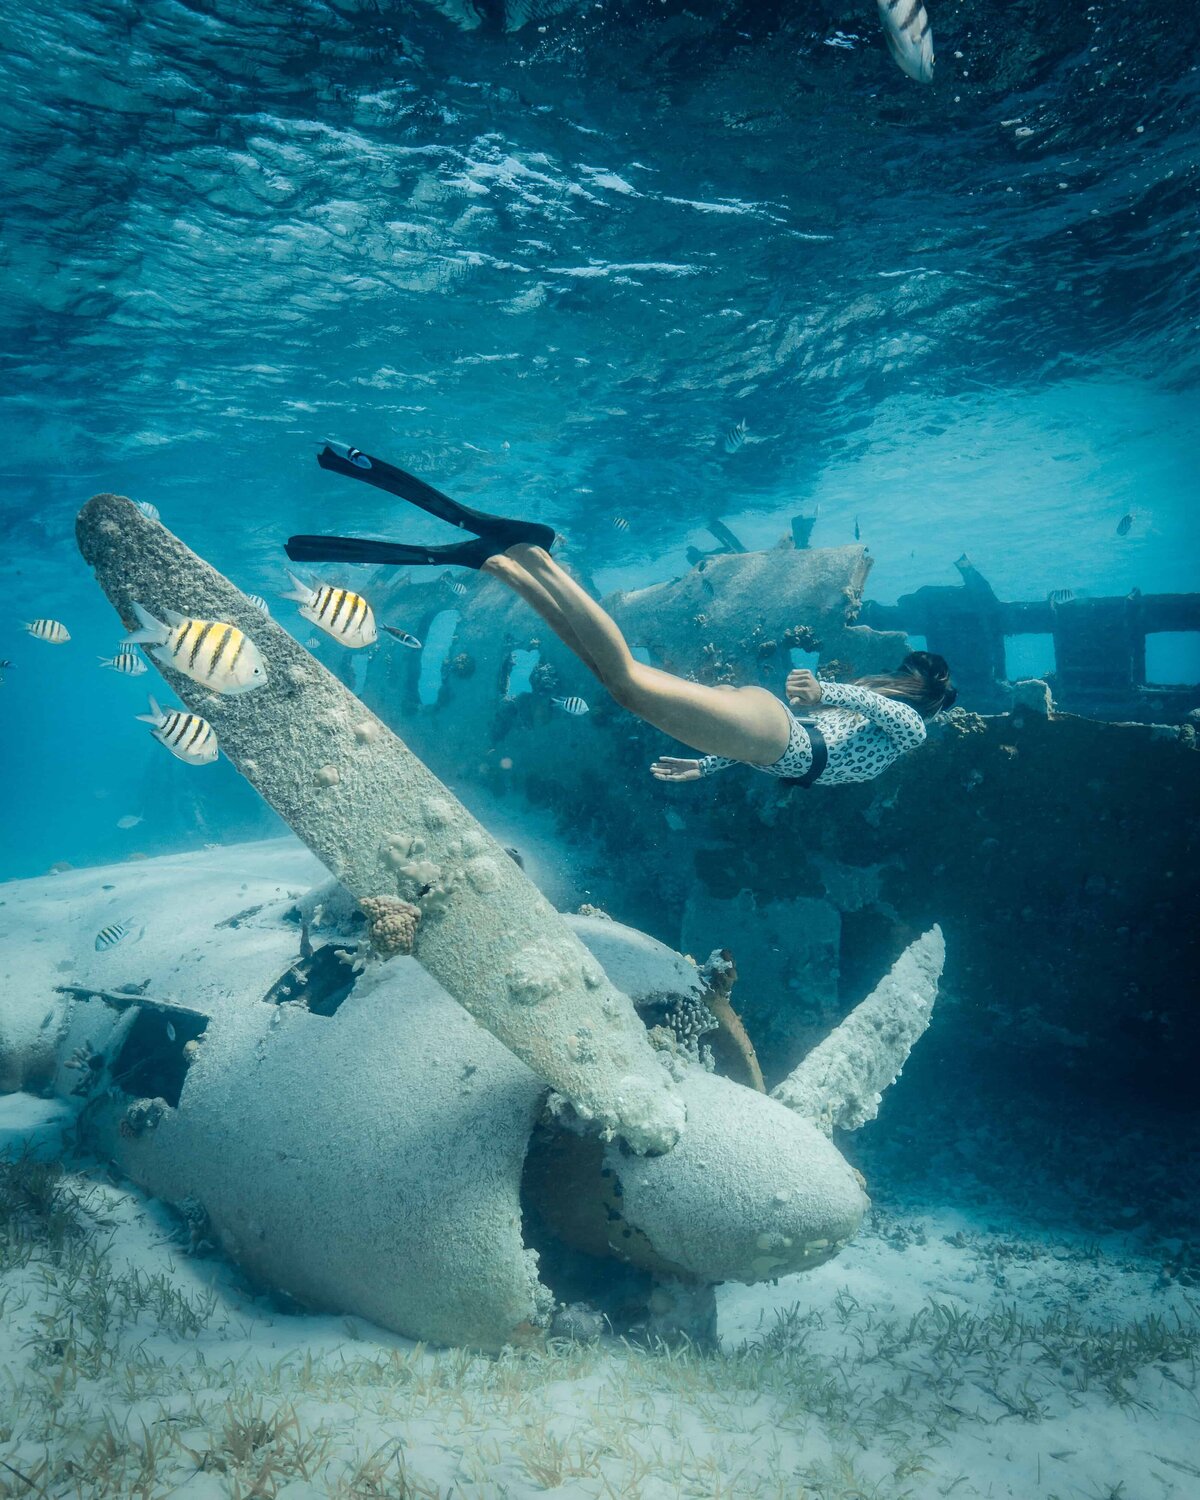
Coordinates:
<point>670,768</point>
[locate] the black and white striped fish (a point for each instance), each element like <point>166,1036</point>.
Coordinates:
<point>1060,596</point>
<point>53,631</point>
<point>259,603</point>
<point>570,705</point>
<point>344,615</point>
<point>128,663</point>
<point>150,512</point>
<point>456,586</point>
<point>188,737</point>
<point>211,652</point>
<point>620,523</point>
<point>109,937</point>
<point>403,637</point>
<point>351,455</point>
<point>909,38</point>
<point>735,438</point>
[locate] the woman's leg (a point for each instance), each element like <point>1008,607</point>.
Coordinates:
<point>747,724</point>
<point>521,583</point>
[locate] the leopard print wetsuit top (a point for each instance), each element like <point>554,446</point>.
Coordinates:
<point>865,733</point>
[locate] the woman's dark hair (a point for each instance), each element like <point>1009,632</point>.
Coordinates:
<point>922,680</point>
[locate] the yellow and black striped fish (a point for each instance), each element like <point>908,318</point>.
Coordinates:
<point>344,615</point>
<point>211,652</point>
<point>53,631</point>
<point>187,736</point>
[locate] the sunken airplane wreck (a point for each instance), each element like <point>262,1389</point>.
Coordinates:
<point>432,1100</point>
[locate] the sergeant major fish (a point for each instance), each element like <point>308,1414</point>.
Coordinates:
<point>128,663</point>
<point>570,705</point>
<point>109,937</point>
<point>909,39</point>
<point>213,653</point>
<point>53,631</point>
<point>735,438</point>
<point>259,603</point>
<point>340,613</point>
<point>1125,525</point>
<point>188,737</point>
<point>150,512</point>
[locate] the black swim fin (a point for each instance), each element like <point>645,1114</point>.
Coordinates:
<point>504,530</point>
<point>354,549</point>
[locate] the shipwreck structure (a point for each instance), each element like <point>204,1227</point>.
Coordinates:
<point>418,1092</point>
<point>1099,645</point>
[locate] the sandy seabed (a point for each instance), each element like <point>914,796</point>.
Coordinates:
<point>935,1357</point>
<point>948,1351</point>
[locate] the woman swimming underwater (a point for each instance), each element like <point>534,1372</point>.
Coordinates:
<point>863,726</point>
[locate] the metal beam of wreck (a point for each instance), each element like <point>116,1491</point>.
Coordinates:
<point>384,825</point>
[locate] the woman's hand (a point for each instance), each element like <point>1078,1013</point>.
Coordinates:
<point>802,687</point>
<point>670,769</point>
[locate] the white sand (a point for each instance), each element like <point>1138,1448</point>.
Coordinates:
<point>940,1355</point>
<point>866,1403</point>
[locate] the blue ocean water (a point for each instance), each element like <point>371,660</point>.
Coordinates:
<point>651,272</point>
<point>550,267</point>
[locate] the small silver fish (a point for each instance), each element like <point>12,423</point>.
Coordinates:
<point>130,820</point>
<point>188,737</point>
<point>909,38</point>
<point>259,603</point>
<point>351,455</point>
<point>403,637</point>
<point>857,532</point>
<point>150,512</point>
<point>455,585</point>
<point>170,1032</point>
<point>128,663</point>
<point>1125,524</point>
<point>53,631</point>
<point>340,613</point>
<point>109,937</point>
<point>4,664</point>
<point>313,642</point>
<point>736,436</point>
<point>620,523</point>
<point>570,705</point>
<point>1060,596</point>
<point>213,653</point>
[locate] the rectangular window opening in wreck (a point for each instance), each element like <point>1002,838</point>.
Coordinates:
<point>154,1057</point>
<point>439,640</point>
<point>1027,656</point>
<point>1173,658</point>
<point>319,981</point>
<point>520,673</point>
<point>804,659</point>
